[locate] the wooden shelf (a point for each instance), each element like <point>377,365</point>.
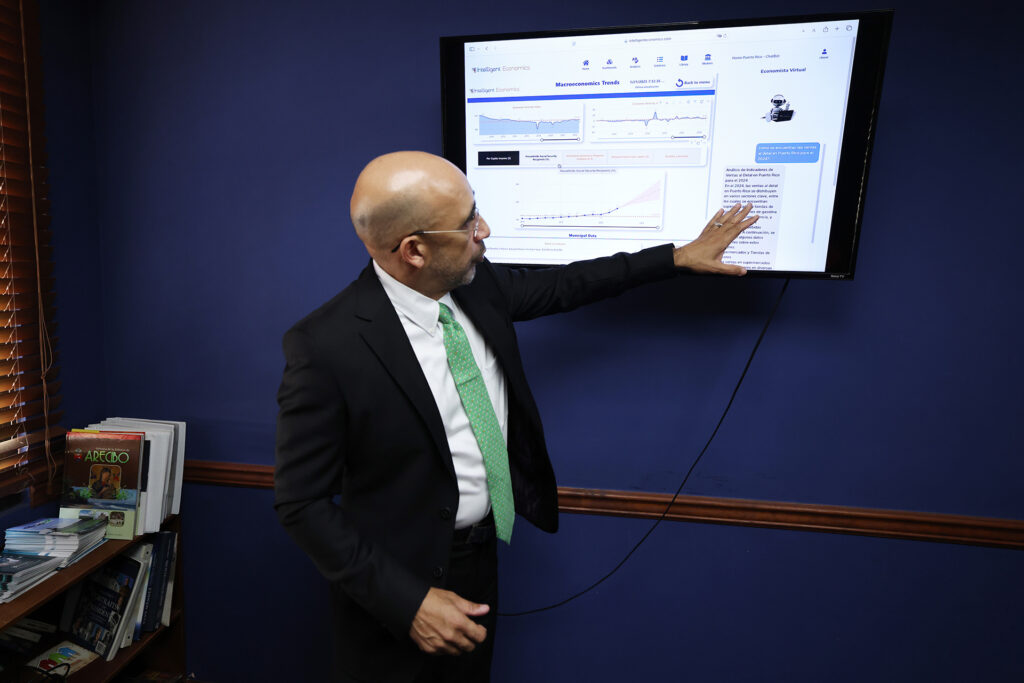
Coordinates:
<point>61,581</point>
<point>163,648</point>
<point>101,670</point>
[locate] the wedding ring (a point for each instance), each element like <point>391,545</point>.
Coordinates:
<point>718,225</point>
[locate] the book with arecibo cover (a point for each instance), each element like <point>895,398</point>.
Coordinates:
<point>103,473</point>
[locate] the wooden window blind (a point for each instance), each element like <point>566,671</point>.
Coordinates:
<point>31,441</point>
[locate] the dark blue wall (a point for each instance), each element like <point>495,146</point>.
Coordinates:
<point>202,156</point>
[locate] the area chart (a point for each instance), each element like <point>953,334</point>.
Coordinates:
<point>489,126</point>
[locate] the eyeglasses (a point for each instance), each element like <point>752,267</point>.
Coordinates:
<point>474,218</point>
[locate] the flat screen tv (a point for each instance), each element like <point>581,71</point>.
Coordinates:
<point>587,142</point>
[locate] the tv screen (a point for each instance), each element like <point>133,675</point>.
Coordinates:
<point>588,142</point>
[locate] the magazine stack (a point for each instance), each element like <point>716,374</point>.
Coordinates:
<point>35,550</point>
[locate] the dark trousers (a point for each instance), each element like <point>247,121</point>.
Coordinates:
<point>473,574</point>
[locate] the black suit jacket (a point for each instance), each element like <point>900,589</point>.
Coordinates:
<point>364,480</point>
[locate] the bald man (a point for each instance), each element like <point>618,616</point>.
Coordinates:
<point>380,475</point>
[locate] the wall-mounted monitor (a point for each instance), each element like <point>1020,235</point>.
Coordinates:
<point>583,143</point>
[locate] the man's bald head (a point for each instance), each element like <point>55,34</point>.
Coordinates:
<point>399,193</point>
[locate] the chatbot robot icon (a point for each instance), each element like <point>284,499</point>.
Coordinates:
<point>780,110</point>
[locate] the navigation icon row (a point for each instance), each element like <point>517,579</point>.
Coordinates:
<point>658,61</point>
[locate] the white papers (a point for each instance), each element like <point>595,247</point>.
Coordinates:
<point>178,459</point>
<point>160,438</point>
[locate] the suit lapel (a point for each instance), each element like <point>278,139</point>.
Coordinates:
<point>383,332</point>
<point>494,328</point>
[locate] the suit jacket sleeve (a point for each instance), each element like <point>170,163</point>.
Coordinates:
<point>531,293</point>
<point>310,462</point>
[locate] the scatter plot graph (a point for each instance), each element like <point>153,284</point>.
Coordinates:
<point>613,201</point>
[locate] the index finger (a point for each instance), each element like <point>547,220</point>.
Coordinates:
<point>732,211</point>
<point>476,632</point>
<point>465,644</point>
<point>742,212</point>
<point>743,225</point>
<point>736,222</point>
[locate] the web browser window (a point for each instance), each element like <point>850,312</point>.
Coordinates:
<point>583,146</point>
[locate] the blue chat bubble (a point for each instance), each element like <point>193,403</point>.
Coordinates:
<point>787,153</point>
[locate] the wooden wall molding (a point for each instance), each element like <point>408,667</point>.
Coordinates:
<point>229,474</point>
<point>920,526</point>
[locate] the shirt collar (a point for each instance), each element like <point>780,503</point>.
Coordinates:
<point>420,309</point>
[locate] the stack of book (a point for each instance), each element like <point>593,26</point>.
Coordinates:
<point>128,469</point>
<point>18,573</point>
<point>125,598</point>
<point>67,539</point>
<point>33,551</point>
<point>95,610</point>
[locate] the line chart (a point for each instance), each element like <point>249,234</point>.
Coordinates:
<point>654,118</point>
<point>686,122</point>
<point>589,203</point>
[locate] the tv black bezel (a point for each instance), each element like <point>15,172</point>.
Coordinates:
<point>871,49</point>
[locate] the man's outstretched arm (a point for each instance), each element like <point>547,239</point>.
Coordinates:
<point>531,293</point>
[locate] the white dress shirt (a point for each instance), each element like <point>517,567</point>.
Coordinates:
<point>419,316</point>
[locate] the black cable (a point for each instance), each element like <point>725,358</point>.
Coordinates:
<point>679,490</point>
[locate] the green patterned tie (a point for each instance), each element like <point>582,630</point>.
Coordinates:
<point>484,422</point>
